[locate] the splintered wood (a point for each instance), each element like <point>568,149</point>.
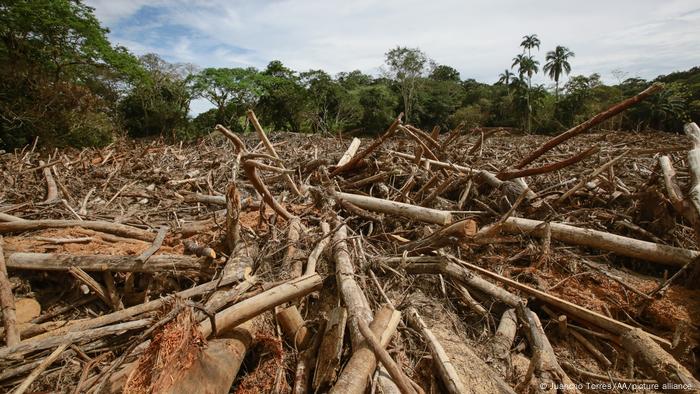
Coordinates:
<point>472,261</point>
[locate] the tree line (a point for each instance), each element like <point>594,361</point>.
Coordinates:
<point>63,82</point>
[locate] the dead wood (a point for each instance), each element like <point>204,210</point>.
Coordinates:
<point>176,264</point>
<point>356,373</point>
<point>661,365</point>
<point>106,227</point>
<point>581,128</point>
<point>7,302</point>
<point>330,350</point>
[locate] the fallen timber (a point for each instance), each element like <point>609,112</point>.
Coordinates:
<point>419,288</point>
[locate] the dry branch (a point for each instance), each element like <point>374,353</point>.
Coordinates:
<point>62,262</point>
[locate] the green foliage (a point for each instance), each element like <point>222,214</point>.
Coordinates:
<point>558,64</point>
<point>158,103</point>
<point>406,66</point>
<point>378,104</point>
<point>231,90</point>
<point>55,64</point>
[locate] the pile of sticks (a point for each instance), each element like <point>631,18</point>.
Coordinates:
<point>287,266</point>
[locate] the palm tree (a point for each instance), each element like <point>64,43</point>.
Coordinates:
<point>527,66</point>
<point>530,42</point>
<point>558,63</point>
<point>505,77</point>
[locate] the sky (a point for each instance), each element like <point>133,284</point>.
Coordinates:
<point>641,38</point>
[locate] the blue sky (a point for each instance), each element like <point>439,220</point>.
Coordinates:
<point>642,38</point>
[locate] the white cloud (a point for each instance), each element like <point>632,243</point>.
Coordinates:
<point>644,37</point>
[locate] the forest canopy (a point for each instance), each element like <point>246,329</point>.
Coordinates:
<point>63,82</point>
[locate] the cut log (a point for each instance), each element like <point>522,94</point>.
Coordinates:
<point>358,370</point>
<point>441,360</point>
<point>348,155</point>
<point>293,327</point>
<point>397,375</point>
<point>245,310</point>
<point>414,212</point>
<point>307,364</point>
<point>498,347</point>
<point>377,142</point>
<point>599,118</point>
<point>51,189</point>
<point>683,207</point>
<point>351,293</point>
<point>624,246</point>
<point>331,350</point>
<point>62,262</point>
<point>105,227</point>
<point>674,377</point>
<point>7,302</point>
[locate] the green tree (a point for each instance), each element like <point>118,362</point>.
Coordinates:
<point>557,64</point>
<point>406,68</point>
<point>158,102</point>
<point>527,65</point>
<point>444,73</point>
<point>52,53</point>
<point>231,90</point>
<point>529,42</point>
<point>283,98</point>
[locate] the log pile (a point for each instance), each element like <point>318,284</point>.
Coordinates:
<point>414,262</point>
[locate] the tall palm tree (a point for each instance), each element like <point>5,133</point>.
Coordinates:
<point>530,42</point>
<point>527,66</point>
<point>557,64</point>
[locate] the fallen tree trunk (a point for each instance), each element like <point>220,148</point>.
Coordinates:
<point>245,310</point>
<point>105,227</point>
<point>357,372</point>
<point>674,377</point>
<point>414,212</point>
<point>624,246</point>
<point>7,303</point>
<point>693,131</point>
<point>460,274</point>
<point>441,360</point>
<point>330,350</point>
<point>63,262</point>
<point>351,293</point>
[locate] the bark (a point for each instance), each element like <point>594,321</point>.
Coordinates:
<point>351,293</point>
<point>498,347</point>
<point>414,212</point>
<point>121,230</point>
<point>330,350</point>
<point>63,262</point>
<point>293,327</point>
<point>358,370</point>
<point>7,302</point>
<point>624,246</point>
<point>251,307</point>
<point>659,364</point>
